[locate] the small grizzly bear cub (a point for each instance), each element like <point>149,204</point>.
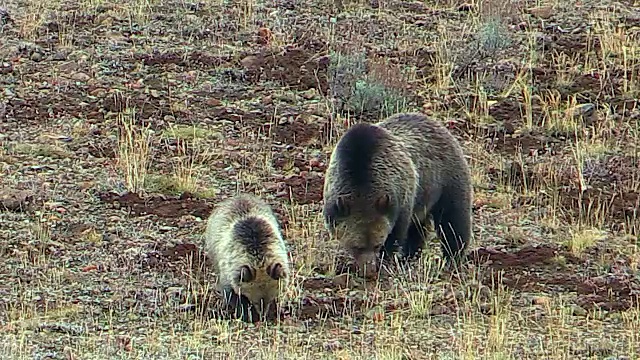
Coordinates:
<point>244,240</point>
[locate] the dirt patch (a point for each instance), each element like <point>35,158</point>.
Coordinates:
<point>182,251</point>
<point>609,292</point>
<point>239,117</point>
<point>196,59</point>
<point>305,188</point>
<point>619,207</point>
<point>161,206</point>
<point>624,107</point>
<point>570,44</point>
<point>505,138</point>
<point>323,308</point>
<point>524,143</point>
<point>16,200</point>
<point>533,269</point>
<point>529,256</point>
<point>506,111</point>
<point>588,86</point>
<point>286,161</point>
<point>314,284</point>
<point>177,257</point>
<point>148,108</point>
<point>299,68</point>
<point>609,186</point>
<point>301,131</point>
<point>605,293</point>
<point>37,108</point>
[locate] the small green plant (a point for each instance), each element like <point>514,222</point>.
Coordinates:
<point>369,97</point>
<point>493,36</point>
<point>358,93</point>
<point>344,71</point>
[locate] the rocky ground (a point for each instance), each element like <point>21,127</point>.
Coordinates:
<point>122,123</point>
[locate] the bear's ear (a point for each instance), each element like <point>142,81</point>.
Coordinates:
<point>245,274</point>
<point>276,271</point>
<point>383,203</point>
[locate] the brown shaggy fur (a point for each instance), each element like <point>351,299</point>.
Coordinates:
<point>384,181</point>
<point>244,240</point>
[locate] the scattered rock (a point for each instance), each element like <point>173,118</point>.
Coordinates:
<point>309,94</point>
<point>439,309</point>
<point>251,62</point>
<point>577,310</point>
<point>584,111</point>
<point>543,12</point>
<point>15,200</point>
<point>161,206</point>
<point>37,56</point>
<point>343,280</point>
<point>60,56</point>
<point>214,102</point>
<point>6,68</point>
<point>80,76</point>
<point>264,36</point>
<point>70,329</point>
<point>541,300</point>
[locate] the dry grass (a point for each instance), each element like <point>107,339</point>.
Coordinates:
<point>81,279</point>
<point>133,151</point>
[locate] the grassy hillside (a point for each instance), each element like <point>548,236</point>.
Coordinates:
<point>123,122</point>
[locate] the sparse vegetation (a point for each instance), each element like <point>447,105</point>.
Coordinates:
<point>122,123</point>
<point>366,90</point>
<point>133,151</point>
